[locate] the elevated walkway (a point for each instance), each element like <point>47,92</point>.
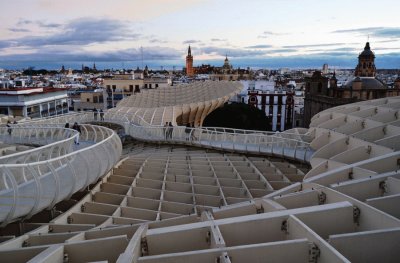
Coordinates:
<point>56,168</point>
<point>293,144</point>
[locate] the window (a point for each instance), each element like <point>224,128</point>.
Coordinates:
<point>4,110</point>
<point>87,100</point>
<point>156,85</point>
<point>95,99</point>
<point>131,88</point>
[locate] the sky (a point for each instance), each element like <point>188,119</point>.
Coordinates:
<point>252,33</point>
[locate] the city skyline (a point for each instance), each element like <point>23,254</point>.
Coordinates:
<point>256,33</point>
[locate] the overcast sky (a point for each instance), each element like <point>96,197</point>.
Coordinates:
<point>253,32</point>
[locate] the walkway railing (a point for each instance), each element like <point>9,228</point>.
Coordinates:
<point>245,142</point>
<point>282,144</point>
<point>29,187</point>
<point>286,144</point>
<point>52,142</point>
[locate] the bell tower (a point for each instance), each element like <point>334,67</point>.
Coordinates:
<point>189,63</point>
<point>366,63</point>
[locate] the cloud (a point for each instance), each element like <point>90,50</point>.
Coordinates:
<point>328,53</point>
<point>231,52</point>
<point>48,25</point>
<point>191,41</point>
<point>18,30</point>
<point>260,46</point>
<point>386,48</point>
<point>58,54</point>
<point>380,32</point>
<point>314,45</point>
<point>25,22</point>
<point>218,39</point>
<point>155,40</point>
<point>387,41</point>
<point>267,34</point>
<point>341,49</point>
<point>161,56</point>
<point>283,50</point>
<point>5,44</point>
<point>83,31</point>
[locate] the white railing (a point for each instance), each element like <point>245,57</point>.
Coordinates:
<point>286,144</point>
<point>52,142</point>
<point>61,119</point>
<point>247,143</point>
<point>282,144</point>
<point>30,187</point>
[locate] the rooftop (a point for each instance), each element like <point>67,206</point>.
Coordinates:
<point>29,91</point>
<point>217,197</point>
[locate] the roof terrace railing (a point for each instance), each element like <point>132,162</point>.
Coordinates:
<point>286,144</point>
<point>247,143</point>
<point>51,142</point>
<point>27,188</point>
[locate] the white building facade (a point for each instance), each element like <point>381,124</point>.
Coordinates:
<point>33,102</point>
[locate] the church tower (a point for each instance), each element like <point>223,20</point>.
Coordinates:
<point>333,81</point>
<point>366,63</point>
<point>189,63</point>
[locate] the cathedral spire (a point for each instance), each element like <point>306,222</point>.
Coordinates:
<point>189,51</point>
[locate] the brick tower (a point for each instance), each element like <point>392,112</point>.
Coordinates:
<point>189,63</point>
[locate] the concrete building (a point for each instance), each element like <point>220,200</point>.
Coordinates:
<point>33,102</point>
<point>264,95</point>
<point>90,100</point>
<point>277,104</point>
<point>125,85</point>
